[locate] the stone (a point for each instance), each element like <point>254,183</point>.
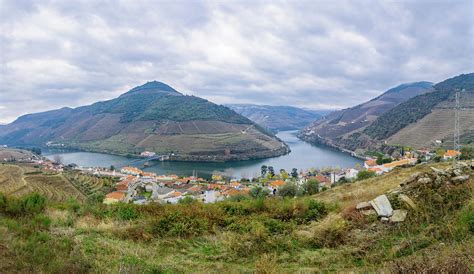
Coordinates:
<point>399,215</point>
<point>438,171</point>
<point>457,172</point>
<point>363,205</point>
<point>460,179</point>
<point>425,180</point>
<point>384,219</point>
<point>407,200</point>
<point>411,179</point>
<point>382,205</point>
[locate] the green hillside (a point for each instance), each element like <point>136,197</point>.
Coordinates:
<point>322,233</point>
<point>418,107</point>
<point>152,117</point>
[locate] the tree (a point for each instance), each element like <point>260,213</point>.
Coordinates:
<point>310,187</point>
<point>288,190</point>
<point>112,167</point>
<point>271,171</point>
<point>365,174</point>
<point>294,173</point>
<point>259,192</point>
<point>264,170</point>
<point>283,174</point>
<point>383,160</point>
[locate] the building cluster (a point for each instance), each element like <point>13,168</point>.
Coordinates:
<point>141,187</point>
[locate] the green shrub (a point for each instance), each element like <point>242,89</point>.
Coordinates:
<point>288,190</point>
<point>125,212</point>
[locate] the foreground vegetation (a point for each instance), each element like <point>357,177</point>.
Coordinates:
<point>319,233</point>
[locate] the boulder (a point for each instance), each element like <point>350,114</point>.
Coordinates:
<point>382,206</point>
<point>407,200</point>
<point>460,179</point>
<point>425,180</point>
<point>457,172</point>
<point>399,215</point>
<point>411,179</point>
<point>439,171</point>
<point>363,205</point>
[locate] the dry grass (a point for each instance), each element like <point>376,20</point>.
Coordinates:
<point>348,195</point>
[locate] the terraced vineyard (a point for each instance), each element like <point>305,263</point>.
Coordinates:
<point>16,182</point>
<point>90,185</point>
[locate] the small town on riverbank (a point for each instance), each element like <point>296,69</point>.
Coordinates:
<point>133,185</point>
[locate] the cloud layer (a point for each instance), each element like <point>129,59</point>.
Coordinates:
<point>315,54</point>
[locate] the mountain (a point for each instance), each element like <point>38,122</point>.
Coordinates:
<point>337,126</point>
<point>421,121</point>
<point>152,117</point>
<point>277,117</point>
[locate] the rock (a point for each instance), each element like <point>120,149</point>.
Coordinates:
<point>439,171</point>
<point>384,219</point>
<point>363,205</point>
<point>425,180</point>
<point>399,215</point>
<point>407,200</point>
<point>382,205</point>
<point>457,172</point>
<point>460,179</point>
<point>411,179</point>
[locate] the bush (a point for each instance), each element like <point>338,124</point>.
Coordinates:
<point>310,187</point>
<point>365,174</point>
<point>259,192</point>
<point>125,212</point>
<point>288,190</point>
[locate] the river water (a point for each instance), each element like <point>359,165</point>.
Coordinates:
<point>303,156</point>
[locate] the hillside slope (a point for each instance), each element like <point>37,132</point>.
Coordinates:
<point>277,117</point>
<point>336,127</point>
<point>152,117</point>
<point>429,117</point>
<point>323,233</point>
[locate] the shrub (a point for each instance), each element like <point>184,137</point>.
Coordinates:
<point>310,187</point>
<point>365,174</point>
<point>288,190</point>
<point>259,192</point>
<point>125,212</point>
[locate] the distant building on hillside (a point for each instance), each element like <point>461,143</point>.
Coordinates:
<point>450,154</point>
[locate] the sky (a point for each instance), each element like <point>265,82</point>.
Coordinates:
<point>312,54</point>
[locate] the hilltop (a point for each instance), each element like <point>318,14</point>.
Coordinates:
<point>336,127</point>
<point>277,117</point>
<point>152,117</point>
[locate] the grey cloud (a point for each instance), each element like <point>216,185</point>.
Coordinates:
<point>316,54</point>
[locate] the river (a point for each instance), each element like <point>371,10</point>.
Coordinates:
<point>303,156</point>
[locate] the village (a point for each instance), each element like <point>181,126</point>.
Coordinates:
<point>133,185</point>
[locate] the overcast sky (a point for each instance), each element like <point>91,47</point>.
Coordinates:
<point>314,54</point>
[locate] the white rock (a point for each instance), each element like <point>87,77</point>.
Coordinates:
<point>382,205</point>
<point>363,205</point>
<point>399,215</point>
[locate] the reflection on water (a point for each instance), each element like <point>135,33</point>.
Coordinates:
<point>302,156</point>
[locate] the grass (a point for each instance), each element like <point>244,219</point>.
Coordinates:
<point>323,233</point>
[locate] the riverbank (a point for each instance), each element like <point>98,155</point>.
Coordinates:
<point>303,156</point>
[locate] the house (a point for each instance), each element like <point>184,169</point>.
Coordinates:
<point>131,170</point>
<point>389,166</point>
<point>236,185</point>
<point>147,154</point>
<point>377,170</point>
<point>370,163</point>
<point>212,196</point>
<point>174,197</point>
<point>277,183</point>
<point>161,193</point>
<point>114,197</point>
<point>450,154</point>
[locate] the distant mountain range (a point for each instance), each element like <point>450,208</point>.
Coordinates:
<point>278,117</point>
<point>152,117</point>
<point>414,114</point>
